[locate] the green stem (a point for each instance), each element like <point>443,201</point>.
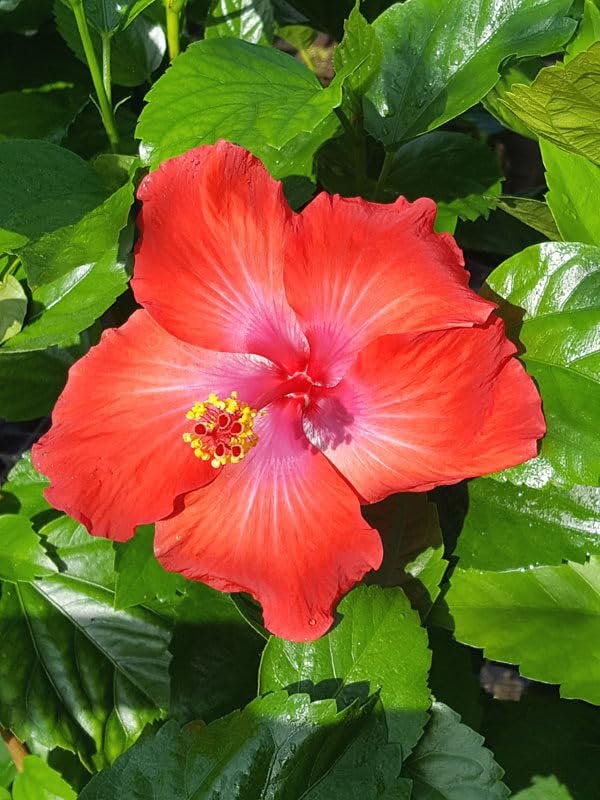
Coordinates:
<point>173,10</point>
<point>307,59</point>
<point>10,269</point>
<point>106,111</point>
<point>106,78</point>
<point>385,171</point>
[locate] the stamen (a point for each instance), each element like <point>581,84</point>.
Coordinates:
<point>223,430</point>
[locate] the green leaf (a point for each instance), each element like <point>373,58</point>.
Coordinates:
<point>45,114</point>
<point>31,381</point>
<point>38,781</point>
<point>368,769</point>
<point>451,763</point>
<point>545,789</point>
<point>13,307</point>
<point>7,769</point>
<point>500,234</point>
<point>135,53</point>
<point>461,174</point>
<point>508,526</point>
<point>359,53</point>
<point>563,103</point>
<point>277,747</point>
<point>42,188</point>
<point>21,555</point>
<point>412,545</point>
<point>74,672</point>
<point>22,493</point>
<point>442,56</point>
<point>299,36</point>
<point>548,297</point>
<point>588,32</point>
<point>544,735</point>
<point>210,639</point>
<point>78,272</point>
<point>546,619</point>
<point>521,71</point>
<point>208,93</point>
<point>534,213</point>
<point>574,184</point>
<point>250,20</point>
<point>140,577</point>
<point>109,16</point>
<point>378,642</point>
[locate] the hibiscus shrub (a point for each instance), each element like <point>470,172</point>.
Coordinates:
<point>305,484</point>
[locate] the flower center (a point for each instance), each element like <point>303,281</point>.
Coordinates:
<point>223,430</point>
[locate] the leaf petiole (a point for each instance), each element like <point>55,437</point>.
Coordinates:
<point>98,77</point>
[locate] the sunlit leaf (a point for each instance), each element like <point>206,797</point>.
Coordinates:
<point>441,56</point>
<point>545,619</point>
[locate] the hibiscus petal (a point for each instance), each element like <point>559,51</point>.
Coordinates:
<point>357,270</point>
<point>281,525</point>
<point>417,412</point>
<point>209,263</point>
<point>115,454</point>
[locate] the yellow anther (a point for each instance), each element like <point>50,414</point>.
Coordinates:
<point>218,443</point>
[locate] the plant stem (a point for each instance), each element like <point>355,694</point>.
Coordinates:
<point>106,80</point>
<point>106,111</point>
<point>10,268</point>
<point>16,748</point>
<point>307,59</point>
<point>385,171</point>
<point>173,10</point>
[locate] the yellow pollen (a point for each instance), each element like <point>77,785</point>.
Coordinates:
<point>223,429</point>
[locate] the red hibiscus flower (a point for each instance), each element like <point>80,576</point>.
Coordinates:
<point>284,369</point>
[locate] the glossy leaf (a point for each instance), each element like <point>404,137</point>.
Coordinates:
<point>109,16</point>
<point>13,307</point>
<point>574,184</point>
<point>250,20</point>
<point>45,114</point>
<point>442,56</point>
<point>31,381</point>
<point>207,95</point>
<point>451,763</point>
<point>412,545</point>
<point>215,654</point>
<point>563,103</point>
<point>534,213</point>
<point>79,272</point>
<point>545,619</point>
<point>276,747</point>
<point>521,71</point>
<point>38,781</point>
<point>42,187</point>
<point>508,526</point>
<point>369,769</point>
<point>377,626</point>
<point>545,789</point>
<point>21,558</point>
<point>548,297</point>
<point>361,51</point>
<point>588,32</point>
<point>75,673</point>
<point>135,53</point>
<point>461,174</point>
<point>22,493</point>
